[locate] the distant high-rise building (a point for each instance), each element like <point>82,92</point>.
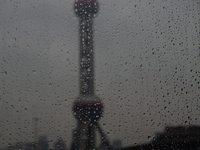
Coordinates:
<point>43,143</point>
<point>60,145</point>
<point>117,144</point>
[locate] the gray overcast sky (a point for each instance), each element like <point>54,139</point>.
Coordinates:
<point>146,67</point>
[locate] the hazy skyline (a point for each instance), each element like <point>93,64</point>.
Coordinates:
<point>146,67</point>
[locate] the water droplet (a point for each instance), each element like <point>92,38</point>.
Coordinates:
<point>34,71</point>
<point>5,73</point>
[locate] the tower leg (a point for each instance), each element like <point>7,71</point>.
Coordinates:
<point>105,145</point>
<point>91,136</point>
<point>85,138</point>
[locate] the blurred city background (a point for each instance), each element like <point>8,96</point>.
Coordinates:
<point>146,71</point>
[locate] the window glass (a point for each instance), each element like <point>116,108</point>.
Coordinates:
<point>146,69</point>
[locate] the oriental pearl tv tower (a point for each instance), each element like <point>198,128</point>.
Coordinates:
<point>87,108</point>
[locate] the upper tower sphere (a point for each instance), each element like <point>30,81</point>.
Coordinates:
<point>86,8</point>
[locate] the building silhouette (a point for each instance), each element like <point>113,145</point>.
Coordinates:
<point>60,145</point>
<point>87,108</point>
<point>173,138</point>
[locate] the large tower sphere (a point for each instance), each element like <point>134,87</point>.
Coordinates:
<point>86,8</point>
<point>89,109</point>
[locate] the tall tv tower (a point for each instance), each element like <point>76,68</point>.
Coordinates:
<point>87,108</point>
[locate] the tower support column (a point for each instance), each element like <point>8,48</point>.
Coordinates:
<point>86,57</point>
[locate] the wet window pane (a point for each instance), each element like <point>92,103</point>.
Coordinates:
<point>138,60</point>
